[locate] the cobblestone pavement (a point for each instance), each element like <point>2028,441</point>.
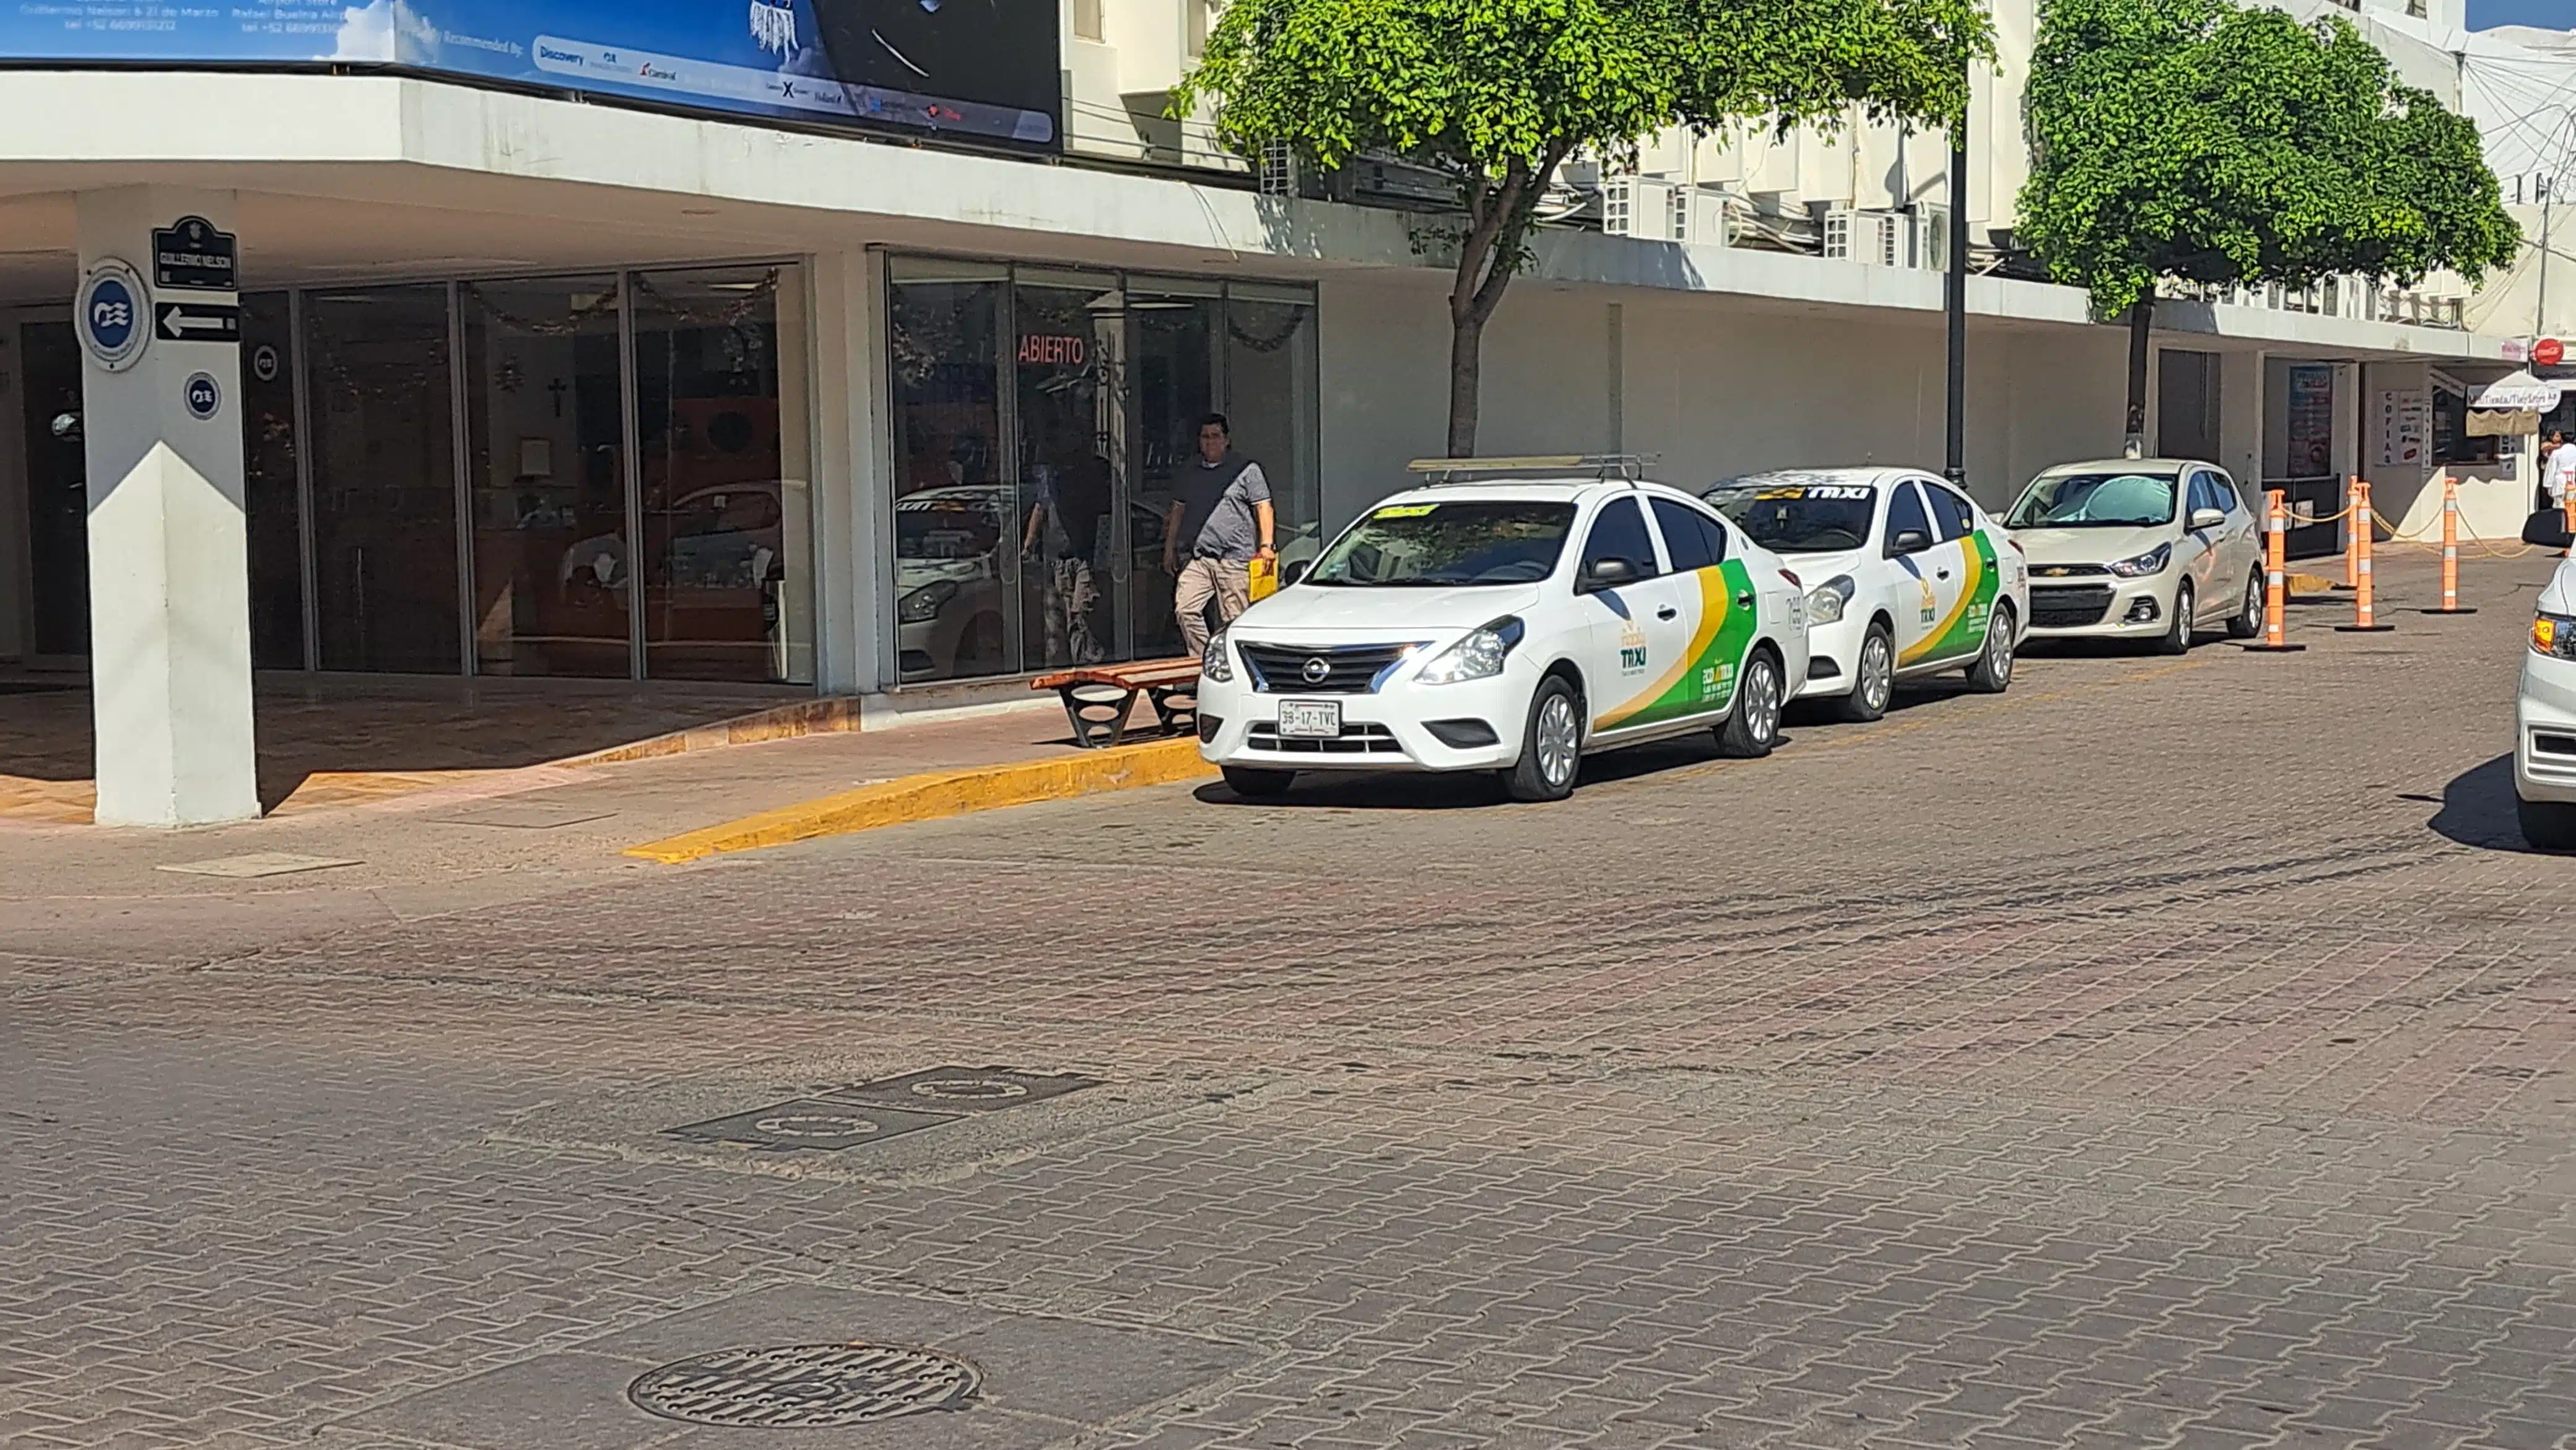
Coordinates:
<point>2171,1052</point>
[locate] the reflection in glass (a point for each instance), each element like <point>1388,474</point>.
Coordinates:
<point>728,573</point>
<point>1174,372</point>
<point>268,458</point>
<point>57,486</point>
<point>1071,334</point>
<point>545,477</point>
<point>954,515</point>
<point>384,480</point>
<point>1270,398</point>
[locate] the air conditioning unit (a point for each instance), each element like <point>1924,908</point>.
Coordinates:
<point>1871,238</point>
<point>1392,181</point>
<point>1700,217</point>
<point>1638,206</point>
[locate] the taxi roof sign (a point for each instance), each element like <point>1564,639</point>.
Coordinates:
<point>1630,466</point>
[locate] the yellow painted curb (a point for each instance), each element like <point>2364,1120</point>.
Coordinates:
<point>945,793</point>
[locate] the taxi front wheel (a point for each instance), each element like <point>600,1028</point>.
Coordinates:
<point>1252,782</point>
<point>1754,727</point>
<point>2546,825</point>
<point>1552,746</point>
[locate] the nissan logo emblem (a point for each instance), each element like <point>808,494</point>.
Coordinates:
<point>1316,669</point>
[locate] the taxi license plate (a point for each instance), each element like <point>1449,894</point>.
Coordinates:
<point>1310,719</point>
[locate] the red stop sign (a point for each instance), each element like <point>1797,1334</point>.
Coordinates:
<point>2549,352</point>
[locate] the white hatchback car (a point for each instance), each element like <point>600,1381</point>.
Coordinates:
<point>1908,577</point>
<point>1508,625</point>
<point>2544,745</point>
<point>2142,548</point>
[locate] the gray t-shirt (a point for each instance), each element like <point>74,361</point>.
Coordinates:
<point>1216,507</point>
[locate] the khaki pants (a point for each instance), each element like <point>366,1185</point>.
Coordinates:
<point>1228,582</point>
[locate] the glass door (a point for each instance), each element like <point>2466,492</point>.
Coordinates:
<point>57,486</point>
<point>1175,367</point>
<point>956,539</point>
<point>1069,341</point>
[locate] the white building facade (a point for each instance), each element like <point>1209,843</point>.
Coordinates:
<point>648,385</point>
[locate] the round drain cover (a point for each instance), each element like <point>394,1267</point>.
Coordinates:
<point>806,1385</point>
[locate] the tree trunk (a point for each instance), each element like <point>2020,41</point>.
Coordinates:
<point>2141,320</point>
<point>1466,366</point>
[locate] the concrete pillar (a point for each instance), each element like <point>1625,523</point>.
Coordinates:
<point>853,568</point>
<point>2240,422</point>
<point>168,558</point>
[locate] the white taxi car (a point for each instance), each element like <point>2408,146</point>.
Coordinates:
<point>1907,577</point>
<point>1510,624</point>
<point>2544,746</point>
<point>2147,548</point>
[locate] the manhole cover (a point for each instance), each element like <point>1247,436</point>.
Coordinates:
<point>807,1385</point>
<point>965,1089</point>
<point>813,1123</point>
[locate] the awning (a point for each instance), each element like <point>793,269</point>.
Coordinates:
<point>2518,392</point>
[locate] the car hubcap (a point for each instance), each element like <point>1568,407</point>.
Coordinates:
<point>1999,649</point>
<point>1556,740</point>
<point>2254,602</point>
<point>1877,673</point>
<point>1762,702</point>
<point>2182,616</point>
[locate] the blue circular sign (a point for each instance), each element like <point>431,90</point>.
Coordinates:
<point>113,324</point>
<point>205,399</point>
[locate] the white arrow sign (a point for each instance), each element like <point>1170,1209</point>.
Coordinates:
<point>197,322</point>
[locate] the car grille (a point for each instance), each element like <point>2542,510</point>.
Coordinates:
<point>2069,608</point>
<point>1348,669</point>
<point>2068,571</point>
<point>1354,740</point>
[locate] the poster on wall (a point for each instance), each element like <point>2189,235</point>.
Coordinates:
<point>2311,451</point>
<point>983,70</point>
<point>2405,428</point>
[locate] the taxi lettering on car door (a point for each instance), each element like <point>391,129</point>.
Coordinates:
<point>1957,578</point>
<point>1706,605</point>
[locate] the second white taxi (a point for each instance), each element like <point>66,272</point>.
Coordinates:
<point>1510,624</point>
<point>1906,577</point>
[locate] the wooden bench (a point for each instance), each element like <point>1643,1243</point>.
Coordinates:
<point>1097,698</point>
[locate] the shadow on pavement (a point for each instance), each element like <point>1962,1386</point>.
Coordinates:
<point>2478,808</point>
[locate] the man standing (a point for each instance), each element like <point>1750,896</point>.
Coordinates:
<point>1223,519</point>
<point>2558,468</point>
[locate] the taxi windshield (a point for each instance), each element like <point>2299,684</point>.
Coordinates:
<point>1800,518</point>
<point>2095,501</point>
<point>1437,544</point>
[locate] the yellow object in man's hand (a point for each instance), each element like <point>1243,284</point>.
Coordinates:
<point>1264,578</point>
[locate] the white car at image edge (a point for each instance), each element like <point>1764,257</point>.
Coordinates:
<point>1509,625</point>
<point>2544,745</point>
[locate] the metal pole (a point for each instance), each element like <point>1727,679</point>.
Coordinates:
<point>1955,302</point>
<point>2540,307</point>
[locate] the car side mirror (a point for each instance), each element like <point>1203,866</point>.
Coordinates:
<point>1608,574</point>
<point>1912,541</point>
<point>2547,528</point>
<point>1290,574</point>
<point>2208,518</point>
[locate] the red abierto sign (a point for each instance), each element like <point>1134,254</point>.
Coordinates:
<point>1041,348</point>
<point>2549,352</point>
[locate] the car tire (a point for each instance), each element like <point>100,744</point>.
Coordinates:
<point>2247,621</point>
<point>1254,783</point>
<point>1993,672</point>
<point>1753,726</point>
<point>2547,825</point>
<point>2177,637</point>
<point>1873,684</point>
<point>1551,745</point>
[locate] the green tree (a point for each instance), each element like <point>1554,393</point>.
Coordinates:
<point>2195,140</point>
<point>1498,93</point>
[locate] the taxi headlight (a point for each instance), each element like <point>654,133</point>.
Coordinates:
<point>1479,656</point>
<point>1825,602</point>
<point>922,605</point>
<point>2554,635</point>
<point>1216,666</point>
<point>2152,561</point>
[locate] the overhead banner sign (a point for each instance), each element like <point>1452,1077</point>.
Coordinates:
<point>977,70</point>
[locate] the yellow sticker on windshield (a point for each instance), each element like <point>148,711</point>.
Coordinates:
<point>1404,511</point>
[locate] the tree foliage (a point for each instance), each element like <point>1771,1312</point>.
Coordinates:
<point>1497,93</point>
<point>2193,139</point>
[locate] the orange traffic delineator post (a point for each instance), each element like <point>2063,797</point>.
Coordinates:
<point>2450,549</point>
<point>2365,616</point>
<point>2352,536</point>
<point>2276,576</point>
<point>2569,503</point>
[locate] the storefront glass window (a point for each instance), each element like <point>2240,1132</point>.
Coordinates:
<point>1270,398</point>
<point>1069,334</point>
<point>384,478</point>
<point>546,477</point>
<point>727,505</point>
<point>955,540</point>
<point>1176,378</point>
<point>275,517</point>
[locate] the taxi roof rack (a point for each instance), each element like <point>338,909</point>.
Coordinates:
<point>1601,466</point>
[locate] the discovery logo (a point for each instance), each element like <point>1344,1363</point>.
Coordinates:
<point>553,56</point>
